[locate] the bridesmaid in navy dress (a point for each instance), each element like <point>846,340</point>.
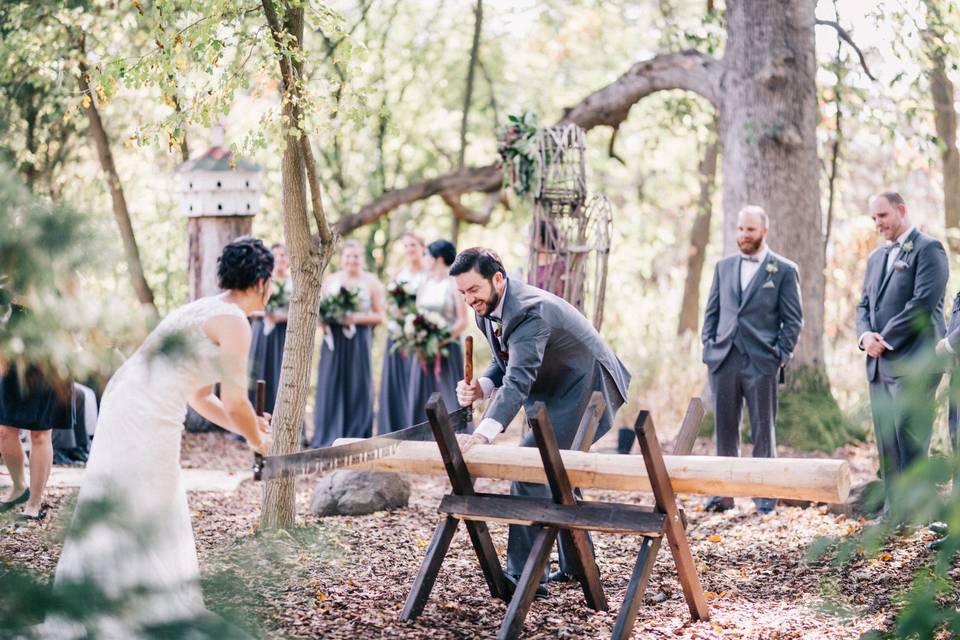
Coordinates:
<point>275,324</point>
<point>439,294</point>
<point>344,398</point>
<point>394,410</point>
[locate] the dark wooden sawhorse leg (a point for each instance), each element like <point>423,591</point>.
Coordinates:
<point>666,503</point>
<point>562,490</point>
<point>462,484</point>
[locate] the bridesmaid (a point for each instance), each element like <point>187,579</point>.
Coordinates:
<point>275,325</point>
<point>394,385</point>
<point>344,400</point>
<point>439,293</point>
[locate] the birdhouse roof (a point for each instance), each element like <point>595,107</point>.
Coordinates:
<point>217,159</point>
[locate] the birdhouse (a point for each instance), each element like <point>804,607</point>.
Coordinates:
<point>219,194</point>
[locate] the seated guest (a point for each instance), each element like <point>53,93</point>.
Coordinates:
<point>344,398</point>
<point>439,294</point>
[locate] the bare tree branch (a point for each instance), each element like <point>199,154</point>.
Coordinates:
<point>466,214</point>
<point>611,152</point>
<point>844,35</point>
<point>690,70</point>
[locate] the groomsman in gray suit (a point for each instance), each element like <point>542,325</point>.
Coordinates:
<point>750,328</point>
<point>899,320</point>
<point>543,350</point>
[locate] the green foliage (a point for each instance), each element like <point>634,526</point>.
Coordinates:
<point>520,150</point>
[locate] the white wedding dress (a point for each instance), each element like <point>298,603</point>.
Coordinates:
<point>139,546</point>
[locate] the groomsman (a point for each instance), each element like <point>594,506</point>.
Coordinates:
<point>899,320</point>
<point>750,328</point>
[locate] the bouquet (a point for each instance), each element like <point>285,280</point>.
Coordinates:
<point>426,333</point>
<point>401,300</point>
<point>334,309</point>
<point>520,150</point>
<point>280,297</point>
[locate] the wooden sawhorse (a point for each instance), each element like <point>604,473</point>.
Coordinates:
<point>564,516</point>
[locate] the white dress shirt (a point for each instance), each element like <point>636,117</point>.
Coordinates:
<point>749,268</point>
<point>488,427</point>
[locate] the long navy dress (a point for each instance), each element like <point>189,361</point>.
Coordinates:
<point>343,405</point>
<point>394,408</point>
<point>276,338</point>
<point>439,296</point>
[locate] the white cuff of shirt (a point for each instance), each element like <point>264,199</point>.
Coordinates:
<point>487,386</point>
<point>948,346</point>
<point>488,428</point>
<point>860,339</point>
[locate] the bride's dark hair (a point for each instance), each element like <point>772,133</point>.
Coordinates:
<point>243,262</point>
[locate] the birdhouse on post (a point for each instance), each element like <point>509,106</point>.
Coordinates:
<point>219,194</point>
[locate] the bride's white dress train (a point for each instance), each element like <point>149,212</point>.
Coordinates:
<point>135,541</point>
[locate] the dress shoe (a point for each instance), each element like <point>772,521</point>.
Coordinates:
<point>934,545</point>
<point>718,504</point>
<point>764,505</point>
<point>513,579</point>
<point>7,505</point>
<point>561,576</point>
<point>939,528</point>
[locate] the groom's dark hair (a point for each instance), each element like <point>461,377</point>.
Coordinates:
<point>243,262</point>
<point>484,261</point>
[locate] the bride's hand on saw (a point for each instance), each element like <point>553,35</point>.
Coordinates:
<point>266,438</point>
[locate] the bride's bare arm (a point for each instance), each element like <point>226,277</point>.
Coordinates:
<point>232,410</point>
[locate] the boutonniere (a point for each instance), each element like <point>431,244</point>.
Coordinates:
<point>906,247</point>
<point>773,267</point>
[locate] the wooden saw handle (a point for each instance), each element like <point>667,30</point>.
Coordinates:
<point>468,360</point>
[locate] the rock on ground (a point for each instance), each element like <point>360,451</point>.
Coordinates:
<point>353,493</point>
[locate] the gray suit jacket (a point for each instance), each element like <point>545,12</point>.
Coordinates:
<point>906,306</point>
<point>764,321</point>
<point>550,353</point>
<point>953,329</point>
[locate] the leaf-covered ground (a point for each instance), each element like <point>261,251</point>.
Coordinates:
<point>347,577</point>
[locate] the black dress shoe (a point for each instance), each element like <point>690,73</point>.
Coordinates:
<point>561,576</point>
<point>512,579</point>
<point>939,528</point>
<point>719,504</point>
<point>764,505</point>
<point>8,505</point>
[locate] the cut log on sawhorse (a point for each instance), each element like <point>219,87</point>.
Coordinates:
<point>562,515</point>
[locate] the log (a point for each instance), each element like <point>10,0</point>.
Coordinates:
<point>815,479</point>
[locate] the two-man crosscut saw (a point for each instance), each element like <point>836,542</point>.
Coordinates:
<point>346,455</point>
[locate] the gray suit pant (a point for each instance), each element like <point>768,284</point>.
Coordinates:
<point>735,381</point>
<point>903,411</point>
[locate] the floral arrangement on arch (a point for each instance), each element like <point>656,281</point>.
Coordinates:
<point>426,333</point>
<point>520,150</point>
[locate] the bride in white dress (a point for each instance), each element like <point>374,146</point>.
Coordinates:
<point>132,540</point>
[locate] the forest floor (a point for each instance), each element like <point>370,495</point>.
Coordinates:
<point>347,577</point>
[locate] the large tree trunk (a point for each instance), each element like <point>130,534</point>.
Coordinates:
<point>945,120</point>
<point>467,99</point>
<point>120,211</point>
<point>308,259</point>
<point>699,236</point>
<point>768,123</point>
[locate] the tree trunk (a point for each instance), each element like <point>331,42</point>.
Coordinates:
<point>308,259</point>
<point>467,99</point>
<point>945,119</point>
<point>206,238</point>
<point>699,236</point>
<point>768,125</point>
<point>120,211</point>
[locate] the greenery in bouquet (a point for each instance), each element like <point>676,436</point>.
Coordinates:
<point>401,301</point>
<point>280,298</point>
<point>425,333</point>
<point>335,306</point>
<point>520,150</point>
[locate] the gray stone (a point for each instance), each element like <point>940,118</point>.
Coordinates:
<point>355,493</point>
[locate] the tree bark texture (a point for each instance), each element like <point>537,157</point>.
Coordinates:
<point>768,120</point>
<point>467,99</point>
<point>120,211</point>
<point>308,259</point>
<point>699,237</point>
<point>945,120</point>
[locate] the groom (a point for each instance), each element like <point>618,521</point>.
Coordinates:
<point>543,350</point>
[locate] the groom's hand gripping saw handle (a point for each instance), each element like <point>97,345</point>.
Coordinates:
<point>261,405</point>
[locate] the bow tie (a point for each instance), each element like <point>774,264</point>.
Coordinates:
<point>890,247</point>
<point>750,258</point>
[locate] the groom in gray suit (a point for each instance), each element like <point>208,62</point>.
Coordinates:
<point>750,328</point>
<point>899,321</point>
<point>542,350</point>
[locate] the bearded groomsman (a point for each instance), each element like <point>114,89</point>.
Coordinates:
<point>750,328</point>
<point>899,321</point>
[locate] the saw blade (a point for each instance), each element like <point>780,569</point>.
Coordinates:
<point>353,453</point>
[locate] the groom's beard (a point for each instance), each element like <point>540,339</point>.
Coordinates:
<point>749,247</point>
<point>492,301</point>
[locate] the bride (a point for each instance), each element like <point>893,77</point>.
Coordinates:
<point>132,542</point>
